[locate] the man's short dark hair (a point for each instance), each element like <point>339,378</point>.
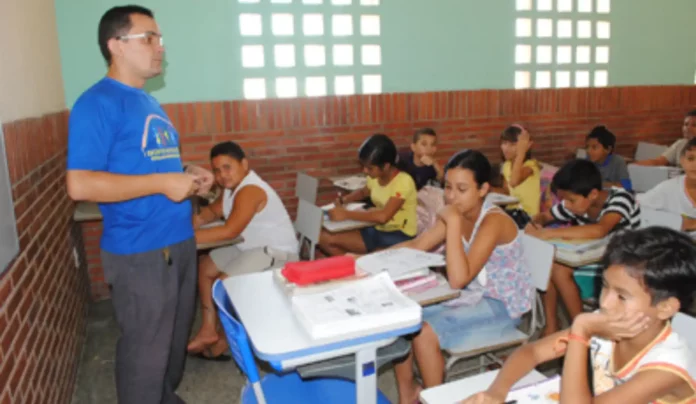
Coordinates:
<point>577,176</point>
<point>691,113</point>
<point>116,22</point>
<point>664,260</point>
<point>230,149</point>
<point>423,132</point>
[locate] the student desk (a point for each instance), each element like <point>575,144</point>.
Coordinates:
<point>344,225</point>
<point>89,211</point>
<point>86,212</point>
<point>458,390</point>
<point>579,262</point>
<point>278,338</point>
<point>440,293</point>
<point>501,199</point>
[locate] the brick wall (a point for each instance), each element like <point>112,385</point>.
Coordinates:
<point>43,296</point>
<point>321,135</point>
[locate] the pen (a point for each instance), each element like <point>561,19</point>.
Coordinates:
<point>511,402</point>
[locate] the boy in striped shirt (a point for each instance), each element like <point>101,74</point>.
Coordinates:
<point>593,213</point>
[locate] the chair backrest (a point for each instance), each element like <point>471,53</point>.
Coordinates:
<point>647,151</point>
<point>236,335</point>
<point>306,187</point>
<point>651,217</point>
<point>685,326</point>
<point>538,257</point>
<point>644,178</point>
<point>581,154</point>
<point>308,224</point>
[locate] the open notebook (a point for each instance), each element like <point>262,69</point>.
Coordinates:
<point>544,392</point>
<point>356,309</point>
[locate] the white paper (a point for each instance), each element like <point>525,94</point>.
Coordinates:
<point>349,206</point>
<point>352,183</point>
<point>399,262</point>
<point>545,392</point>
<point>496,198</point>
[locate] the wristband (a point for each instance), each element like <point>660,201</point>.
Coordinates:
<point>562,342</point>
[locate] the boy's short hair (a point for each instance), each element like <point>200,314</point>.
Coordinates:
<point>423,132</point>
<point>664,260</point>
<point>691,113</point>
<point>603,136</point>
<point>689,146</point>
<point>577,176</point>
<point>230,149</point>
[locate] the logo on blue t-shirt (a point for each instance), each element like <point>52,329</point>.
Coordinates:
<point>160,140</point>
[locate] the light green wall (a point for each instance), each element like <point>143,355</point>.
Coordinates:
<point>426,45</point>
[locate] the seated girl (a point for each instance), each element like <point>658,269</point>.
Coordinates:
<point>484,255</point>
<point>521,173</point>
<point>393,194</point>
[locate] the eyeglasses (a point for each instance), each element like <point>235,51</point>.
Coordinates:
<point>149,37</point>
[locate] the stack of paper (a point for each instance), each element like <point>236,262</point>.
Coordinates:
<point>400,263</point>
<point>356,309</point>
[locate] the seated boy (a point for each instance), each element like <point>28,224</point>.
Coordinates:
<point>671,156</point>
<point>594,213</point>
<point>600,145</point>
<point>678,194</point>
<point>420,161</point>
<point>635,355</point>
<point>251,209</point>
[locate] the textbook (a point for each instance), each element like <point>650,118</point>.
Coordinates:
<point>400,263</point>
<point>356,309</point>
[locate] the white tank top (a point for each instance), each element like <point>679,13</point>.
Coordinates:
<point>271,227</point>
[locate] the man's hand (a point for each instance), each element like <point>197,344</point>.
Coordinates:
<point>205,178</point>
<point>178,187</point>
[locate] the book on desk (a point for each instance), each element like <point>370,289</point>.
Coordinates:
<point>404,265</point>
<point>355,309</point>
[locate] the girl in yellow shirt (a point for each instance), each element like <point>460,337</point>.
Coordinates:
<point>391,191</point>
<point>521,173</point>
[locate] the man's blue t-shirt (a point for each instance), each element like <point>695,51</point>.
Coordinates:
<point>123,130</point>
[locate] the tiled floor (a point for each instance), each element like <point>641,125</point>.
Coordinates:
<point>204,381</point>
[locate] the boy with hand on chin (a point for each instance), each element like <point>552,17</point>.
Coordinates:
<point>419,162</point>
<point>636,356</point>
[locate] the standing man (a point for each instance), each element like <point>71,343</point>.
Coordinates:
<point>123,152</point>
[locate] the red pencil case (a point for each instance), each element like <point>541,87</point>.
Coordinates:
<point>308,272</point>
